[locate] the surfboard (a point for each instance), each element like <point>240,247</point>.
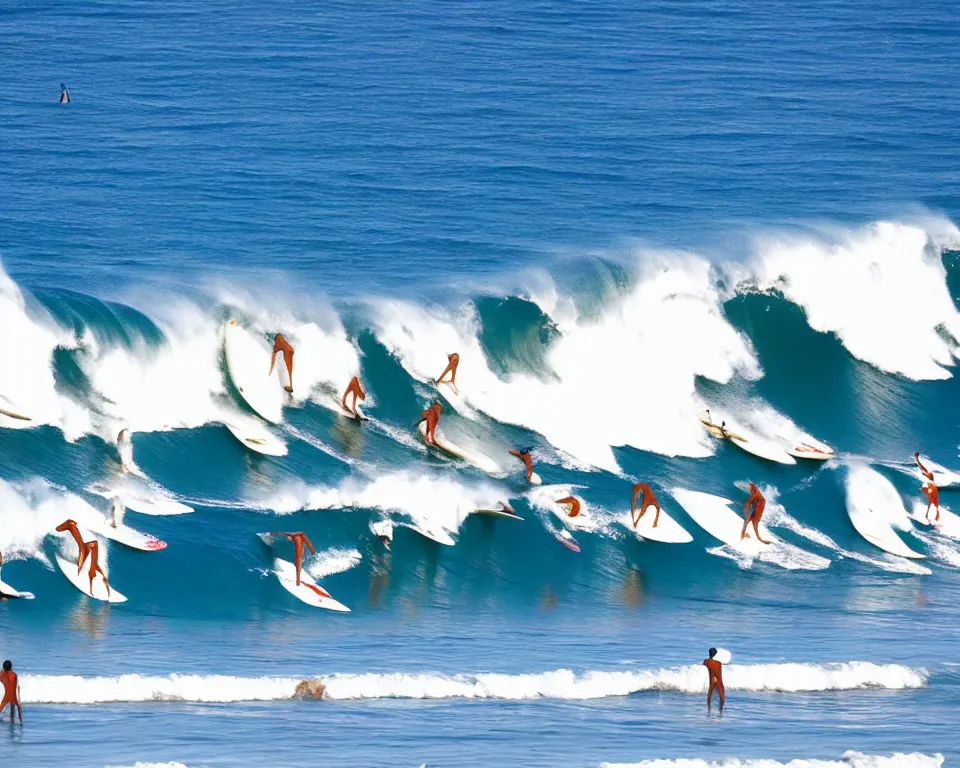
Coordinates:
<point>715,516</point>
<point>253,435</point>
<point>872,504</point>
<point>358,416</point>
<point>287,576</point>
<point>479,460</point>
<point>438,535</point>
<point>82,582</point>
<point>156,504</point>
<point>566,538</point>
<point>668,530</point>
<point>12,411</point>
<point>457,401</point>
<point>129,537</point>
<point>949,524</point>
<point>248,362</point>
<point>535,479</point>
<point>751,443</point>
<point>811,452</point>
<point>723,656</point>
<point>497,513</point>
<point>14,594</point>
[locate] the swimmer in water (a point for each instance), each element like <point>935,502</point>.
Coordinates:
<point>353,388</point>
<point>715,673</point>
<point>64,94</point>
<point>524,455</point>
<point>647,499</point>
<point>453,360</point>
<point>753,512</point>
<point>572,503</point>
<point>280,344</point>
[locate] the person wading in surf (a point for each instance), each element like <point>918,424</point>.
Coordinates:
<point>69,526</point>
<point>353,388</point>
<point>280,344</point>
<point>300,541</point>
<point>573,504</point>
<point>647,499</point>
<point>453,362</point>
<point>524,455</point>
<point>715,673</point>
<point>11,690</point>
<point>91,549</point>
<point>753,512</point>
<point>432,417</point>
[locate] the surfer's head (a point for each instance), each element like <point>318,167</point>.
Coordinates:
<point>7,665</point>
<point>713,652</point>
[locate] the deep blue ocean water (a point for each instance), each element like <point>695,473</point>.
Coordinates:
<point>618,215</point>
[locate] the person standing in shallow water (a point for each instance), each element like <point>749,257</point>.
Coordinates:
<point>715,672</point>
<point>11,690</point>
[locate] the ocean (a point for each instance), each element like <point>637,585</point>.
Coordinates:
<point>618,215</point>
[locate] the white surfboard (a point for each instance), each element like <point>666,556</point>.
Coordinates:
<point>873,506</point>
<point>723,656</point>
<point>811,452</point>
<point>129,537</point>
<point>715,515</point>
<point>12,411</point>
<point>248,362</point>
<point>497,513</point>
<point>438,535</point>
<point>749,442</point>
<point>14,594</point>
<point>451,393</point>
<point>82,582</point>
<point>156,504</point>
<point>358,416</point>
<point>479,460</point>
<point>668,530</point>
<point>253,435</point>
<point>949,524</point>
<point>307,590</point>
<point>566,538</point>
<point>535,479</point>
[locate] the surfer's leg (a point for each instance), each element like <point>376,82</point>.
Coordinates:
<point>288,359</point>
<point>657,518</point>
<point>710,695</point>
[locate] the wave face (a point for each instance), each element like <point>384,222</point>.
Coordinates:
<point>560,684</point>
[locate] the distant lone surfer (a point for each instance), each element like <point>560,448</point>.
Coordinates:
<point>64,94</point>
<point>69,526</point>
<point>453,360</point>
<point>753,512</point>
<point>432,417</point>
<point>117,511</point>
<point>524,455</point>
<point>648,498</point>
<point>353,388</point>
<point>125,450</point>
<point>11,690</point>
<point>572,503</point>
<point>91,549</point>
<point>280,344</point>
<point>715,673</point>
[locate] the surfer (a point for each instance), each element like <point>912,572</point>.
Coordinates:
<point>926,472</point>
<point>125,450</point>
<point>280,344</point>
<point>64,94</point>
<point>715,673</point>
<point>432,417</point>
<point>117,511</point>
<point>753,512</point>
<point>647,499</point>
<point>92,549</point>
<point>524,455</point>
<point>299,541</point>
<point>353,388</point>
<point>11,690</point>
<point>69,526</point>
<point>933,500</point>
<point>453,360</point>
<point>385,540</point>
<point>572,503</point>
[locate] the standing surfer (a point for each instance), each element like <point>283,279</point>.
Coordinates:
<point>715,673</point>
<point>91,549</point>
<point>572,503</point>
<point>453,360</point>
<point>753,512</point>
<point>353,388</point>
<point>933,500</point>
<point>432,417</point>
<point>280,344</point>
<point>524,455</point>
<point>125,450</point>
<point>647,499</point>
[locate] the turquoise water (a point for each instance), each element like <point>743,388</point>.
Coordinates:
<point>617,216</point>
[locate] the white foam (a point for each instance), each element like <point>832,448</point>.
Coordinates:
<point>882,290</point>
<point>625,377</point>
<point>557,684</point>
<point>149,765</point>
<point>332,561</point>
<point>850,759</point>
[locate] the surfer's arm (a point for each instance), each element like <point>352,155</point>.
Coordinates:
<point>309,545</point>
<point>273,359</point>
